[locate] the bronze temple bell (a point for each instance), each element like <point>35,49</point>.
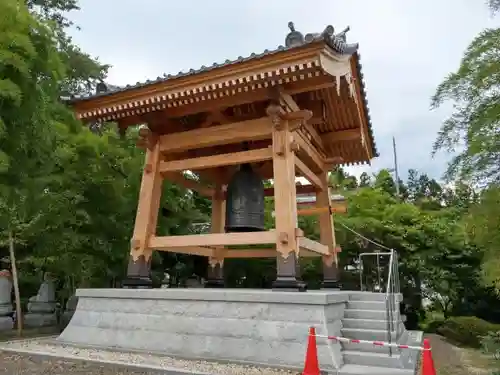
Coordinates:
<point>245,202</point>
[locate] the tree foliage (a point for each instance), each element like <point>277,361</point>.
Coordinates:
<point>472,133</point>
<point>473,130</point>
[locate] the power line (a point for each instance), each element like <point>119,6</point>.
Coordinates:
<point>363,237</point>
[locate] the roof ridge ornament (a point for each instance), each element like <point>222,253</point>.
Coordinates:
<point>101,87</point>
<point>343,34</point>
<point>337,41</point>
<point>294,38</point>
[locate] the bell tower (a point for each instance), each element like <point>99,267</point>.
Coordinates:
<point>292,112</point>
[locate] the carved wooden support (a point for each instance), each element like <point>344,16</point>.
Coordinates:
<point>216,261</point>
<point>327,236</point>
<point>285,202</point>
<point>147,215</point>
<point>147,139</point>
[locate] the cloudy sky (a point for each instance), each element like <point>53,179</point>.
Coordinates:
<point>407,47</point>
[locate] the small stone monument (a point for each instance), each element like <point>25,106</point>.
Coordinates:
<point>42,307</point>
<point>69,310</point>
<point>194,282</point>
<point>166,281</point>
<point>6,309</point>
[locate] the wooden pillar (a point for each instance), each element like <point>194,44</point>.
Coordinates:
<point>285,204</point>
<point>139,266</point>
<point>215,277</point>
<point>327,237</point>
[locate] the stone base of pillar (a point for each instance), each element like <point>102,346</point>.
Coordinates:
<point>331,285</point>
<point>137,283</point>
<point>138,274</point>
<point>214,283</point>
<point>289,283</point>
<point>215,278</point>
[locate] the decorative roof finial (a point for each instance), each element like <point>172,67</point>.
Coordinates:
<point>294,38</point>
<point>101,88</point>
<point>342,35</point>
<point>328,32</point>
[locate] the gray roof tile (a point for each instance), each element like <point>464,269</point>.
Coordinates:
<point>293,40</point>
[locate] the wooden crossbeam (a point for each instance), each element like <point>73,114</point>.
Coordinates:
<point>307,150</point>
<point>301,189</point>
<point>306,172</point>
<point>213,239</point>
<point>287,100</point>
<point>319,210</point>
<point>236,132</point>
<point>311,245</point>
<point>207,162</point>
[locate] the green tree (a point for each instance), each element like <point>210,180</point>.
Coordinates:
<point>483,224</point>
<point>30,71</point>
<point>494,5</point>
<point>472,132</point>
<point>83,71</point>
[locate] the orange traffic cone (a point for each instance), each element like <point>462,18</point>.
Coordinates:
<point>311,367</point>
<point>427,361</point>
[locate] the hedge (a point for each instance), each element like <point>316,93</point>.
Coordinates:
<point>467,330</point>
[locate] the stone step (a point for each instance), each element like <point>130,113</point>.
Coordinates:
<point>367,348</point>
<point>364,323</point>
<point>367,305</point>
<point>371,296</point>
<point>365,314</point>
<point>367,334</point>
<point>355,357</point>
<point>372,370</point>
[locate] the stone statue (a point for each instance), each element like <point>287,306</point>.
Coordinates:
<point>68,311</point>
<point>44,301</point>
<point>6,309</point>
<point>194,282</point>
<point>166,281</point>
<point>42,307</point>
<point>5,293</point>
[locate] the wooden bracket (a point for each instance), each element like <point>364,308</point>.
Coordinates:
<point>274,111</point>
<point>294,147</point>
<point>135,244</point>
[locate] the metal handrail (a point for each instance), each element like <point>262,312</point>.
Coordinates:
<point>391,292</point>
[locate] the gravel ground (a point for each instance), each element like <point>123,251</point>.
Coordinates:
<point>72,360</point>
<point>13,364</point>
<point>447,359</point>
<point>452,360</point>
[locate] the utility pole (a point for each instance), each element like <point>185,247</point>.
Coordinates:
<point>396,174</point>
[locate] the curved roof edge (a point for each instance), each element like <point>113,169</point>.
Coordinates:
<point>293,40</point>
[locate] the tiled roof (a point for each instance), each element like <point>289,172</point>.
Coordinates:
<point>365,105</point>
<point>294,39</point>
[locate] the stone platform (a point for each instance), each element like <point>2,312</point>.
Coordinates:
<point>260,327</point>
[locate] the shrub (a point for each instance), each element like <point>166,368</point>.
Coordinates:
<point>490,343</point>
<point>467,330</point>
<point>433,326</point>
